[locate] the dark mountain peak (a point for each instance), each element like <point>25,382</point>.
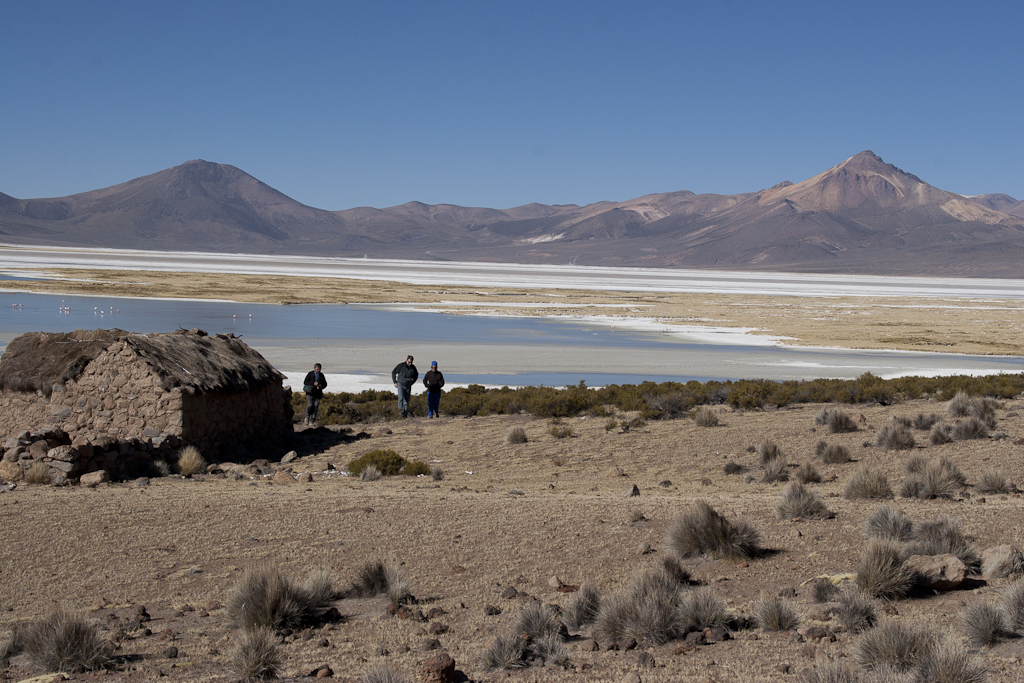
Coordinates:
<point>201,171</point>
<point>779,186</point>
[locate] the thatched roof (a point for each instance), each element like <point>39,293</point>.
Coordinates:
<point>184,358</point>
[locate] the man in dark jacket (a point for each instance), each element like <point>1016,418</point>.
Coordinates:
<point>433,381</point>
<point>313,386</point>
<point>403,377</point>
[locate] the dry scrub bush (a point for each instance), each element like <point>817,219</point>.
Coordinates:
<point>582,607</point>
<point>867,483</point>
<point>984,624</point>
<point>701,609</point>
<point>881,572</point>
<point>161,468</point>
<point>894,644</point>
<point>775,614</point>
<point>505,651</point>
<point>839,422</point>
<point>798,501</point>
<point>915,464</point>
<point>889,524</point>
<point>369,473</point>
<point>936,481</point>
<point>63,642</point>
<point>959,405</point>
<point>257,657</point>
<point>703,531</point>
<point>830,671</point>
<point>807,474</point>
<point>516,435</point>
<point>190,461</point>
<point>832,454</point>
<point>776,470</point>
<point>387,462</point>
<point>537,620</point>
<point>823,590</point>
<point>376,578</point>
<point>1013,604</point>
<point>970,428</point>
<point>705,416</point>
<point>38,473</point>
<point>382,673</point>
<point>436,473</point>
<point>551,649</point>
<point>266,598</point>
<point>895,437</point>
<point>944,536</point>
<point>993,481</point>
<point>856,611</point>
<point>560,431</point>
<point>647,613</point>
<point>925,422</point>
<point>733,467</point>
<point>767,452</point>
<point>320,587</point>
<point>940,434</point>
<point>948,662</point>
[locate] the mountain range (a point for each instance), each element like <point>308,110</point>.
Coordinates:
<point>861,216</point>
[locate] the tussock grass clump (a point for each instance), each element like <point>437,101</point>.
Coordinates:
<point>830,671</point>
<point>798,501</point>
<point>504,651</point>
<point>994,481</point>
<point>940,434</point>
<point>894,644</point>
<point>703,531</point>
<point>867,483</point>
<point>647,611</point>
<point>839,422</point>
<point>705,416</point>
<point>925,422</point>
<point>701,609</point>
<point>376,578</point>
<point>266,598</point>
<point>319,586</point>
<point>856,611</point>
<point>959,405</point>
<point>823,590</point>
<point>895,437</point>
<point>436,473</point>
<point>560,431</point>
<point>190,461</point>
<point>38,474</point>
<point>948,662</point>
<point>807,474</point>
<point>944,536</point>
<point>382,673</point>
<point>582,607</point>
<point>257,657</point>
<point>881,572</point>
<point>767,452</point>
<point>984,624</point>
<point>889,524</point>
<point>536,621</point>
<point>915,464</point>
<point>936,481</point>
<point>63,642</point>
<point>1013,604</point>
<point>832,454</point>
<point>776,470</point>
<point>551,649</point>
<point>733,467</point>
<point>970,428</point>
<point>516,435</point>
<point>775,614</point>
<point>370,473</point>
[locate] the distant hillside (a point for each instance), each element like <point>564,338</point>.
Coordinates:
<point>861,216</point>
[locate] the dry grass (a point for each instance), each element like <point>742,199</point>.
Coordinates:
<point>505,651</point>
<point>832,454</point>
<point>888,523</point>
<point>823,590</point>
<point>768,452</point>
<point>382,578</point>
<point>536,620</point>
<point>775,471</point>
<point>925,422</point>
<point>701,609</point>
<point>867,483</point>
<point>382,673</point>
<point>65,642</point>
<point>839,422</point>
<point>775,614</point>
<point>705,416</point>
<point>936,481</point>
<point>970,428</point>
<point>647,611</point>
<point>266,599</point>
<point>856,611</point>
<point>38,474</point>
<point>798,501</point>
<point>944,536</point>
<point>894,644</point>
<point>994,481</point>
<point>582,607</point>
<point>257,657</point>
<point>895,436</point>
<point>703,531</point>
<point>984,624</point>
<point>948,662</point>
<point>515,435</point>
<point>560,431</point>
<point>733,467</point>
<point>370,473</point>
<point>190,461</point>
<point>940,434</point>
<point>807,474</point>
<point>1013,604</point>
<point>959,405</point>
<point>881,572</point>
<point>830,671</point>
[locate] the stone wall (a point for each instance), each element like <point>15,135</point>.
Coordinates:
<point>226,424</point>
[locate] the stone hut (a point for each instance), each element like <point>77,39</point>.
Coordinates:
<point>113,400</point>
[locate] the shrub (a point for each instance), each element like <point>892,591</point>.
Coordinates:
<point>38,473</point>
<point>767,452</point>
<point>703,531</point>
<point>551,649</point>
<point>830,671</point>
<point>387,462</point>
<point>320,587</point>
<point>190,461</point>
<point>970,428</point>
<point>867,483</point>
<point>266,598</point>
<point>647,611</point>
<point>701,609</point>
<point>948,662</point>
<point>775,614</point>
<point>834,454</point>
<point>611,424</point>
<point>582,607</point>
<point>705,416</point>
<point>505,651</point>
<point>516,435</point>
<point>823,590</point>
<point>536,620</point>
<point>382,673</point>
<point>993,481</point>
<point>436,473</point>
<point>935,482</point>
<point>63,642</point>
<point>839,422</point>
<point>894,644</point>
<point>560,431</point>
<point>808,474</point>
<point>881,572</point>
<point>161,468</point>
<point>1013,604</point>
<point>940,434</point>
<point>776,470</point>
<point>925,422</point>
<point>416,469</point>
<point>376,578</point>
<point>369,473</point>
<point>916,464</point>
<point>798,501</point>
<point>984,623</point>
<point>856,611</point>
<point>959,405</point>
<point>889,524</point>
<point>257,657</point>
<point>822,416</point>
<point>944,536</point>
<point>733,467</point>
<point>895,437</point>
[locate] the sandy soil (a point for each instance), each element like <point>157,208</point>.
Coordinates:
<point>503,515</point>
<point>953,325</point>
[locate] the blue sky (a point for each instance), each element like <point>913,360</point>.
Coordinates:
<point>343,104</point>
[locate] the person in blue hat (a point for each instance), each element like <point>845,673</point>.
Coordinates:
<point>433,381</point>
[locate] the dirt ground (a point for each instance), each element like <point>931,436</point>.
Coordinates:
<point>503,515</point>
<point>949,325</point>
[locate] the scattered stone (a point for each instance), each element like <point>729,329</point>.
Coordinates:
<point>509,593</point>
<point>93,478</point>
<point>718,634</point>
<point>1001,562</point>
<point>438,669</point>
<point>289,456</point>
<point>588,645</point>
<point>939,572</point>
<point>435,612</point>
<point>555,582</point>
<point>783,668</point>
<point>325,672</point>
<point>631,677</point>
<point>437,628</point>
<point>631,492</point>
<point>809,651</point>
<point>171,652</point>
<point>696,638</point>
<point>430,644</point>
<point>492,611</point>
<point>283,478</point>
<point>645,660</point>
<point>616,472</point>
<point>305,478</point>
<point>665,483</point>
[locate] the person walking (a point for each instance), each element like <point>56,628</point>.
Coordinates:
<point>433,381</point>
<point>313,386</point>
<point>403,377</point>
